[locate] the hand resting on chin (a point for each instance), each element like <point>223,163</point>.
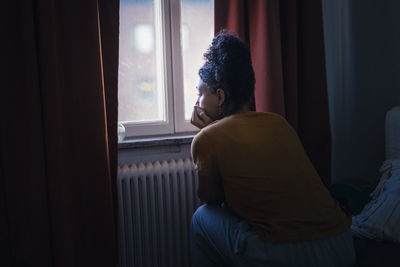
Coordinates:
<point>199,117</point>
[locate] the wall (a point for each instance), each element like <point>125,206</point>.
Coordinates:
<point>362,42</point>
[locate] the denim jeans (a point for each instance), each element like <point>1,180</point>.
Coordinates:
<point>220,238</point>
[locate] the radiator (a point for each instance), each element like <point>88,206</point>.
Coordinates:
<point>156,201</point>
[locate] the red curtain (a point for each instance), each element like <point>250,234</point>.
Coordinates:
<point>287,47</point>
<point>58,143</point>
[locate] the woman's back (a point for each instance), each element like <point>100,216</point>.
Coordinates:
<point>268,179</point>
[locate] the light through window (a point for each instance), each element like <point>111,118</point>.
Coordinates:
<point>161,49</point>
<point>141,94</point>
<point>197,27</point>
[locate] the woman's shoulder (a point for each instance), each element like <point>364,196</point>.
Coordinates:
<point>210,132</point>
<point>230,124</point>
<point>257,117</point>
<point>267,115</point>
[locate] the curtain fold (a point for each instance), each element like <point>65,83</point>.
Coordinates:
<point>109,32</point>
<point>287,47</point>
<point>58,132</point>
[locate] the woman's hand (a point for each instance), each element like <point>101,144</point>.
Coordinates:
<point>200,118</point>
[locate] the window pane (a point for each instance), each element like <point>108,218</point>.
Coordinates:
<point>197,31</point>
<point>141,95</point>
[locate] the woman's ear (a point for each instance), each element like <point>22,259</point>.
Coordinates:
<point>221,96</point>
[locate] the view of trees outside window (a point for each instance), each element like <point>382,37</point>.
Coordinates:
<point>141,96</point>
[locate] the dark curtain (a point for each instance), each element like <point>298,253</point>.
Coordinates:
<point>287,46</point>
<point>58,143</point>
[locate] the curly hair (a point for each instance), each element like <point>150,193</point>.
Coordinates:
<point>228,66</point>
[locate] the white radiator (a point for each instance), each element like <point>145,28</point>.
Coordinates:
<point>156,201</point>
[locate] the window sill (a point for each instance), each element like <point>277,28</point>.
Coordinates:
<point>156,141</point>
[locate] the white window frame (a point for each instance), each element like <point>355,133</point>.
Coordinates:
<point>168,21</point>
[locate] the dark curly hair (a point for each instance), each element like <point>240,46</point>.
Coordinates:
<point>228,66</point>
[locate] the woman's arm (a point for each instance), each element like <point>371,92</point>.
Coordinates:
<point>210,189</point>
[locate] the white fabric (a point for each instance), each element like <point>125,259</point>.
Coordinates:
<point>380,218</point>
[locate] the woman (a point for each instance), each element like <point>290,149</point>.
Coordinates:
<point>265,203</point>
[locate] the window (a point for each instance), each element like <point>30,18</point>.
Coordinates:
<point>161,49</point>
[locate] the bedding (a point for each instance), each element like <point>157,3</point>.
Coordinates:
<point>379,219</point>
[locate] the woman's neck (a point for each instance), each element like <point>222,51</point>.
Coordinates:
<point>245,108</point>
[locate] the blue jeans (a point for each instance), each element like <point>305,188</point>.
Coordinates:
<point>220,238</point>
